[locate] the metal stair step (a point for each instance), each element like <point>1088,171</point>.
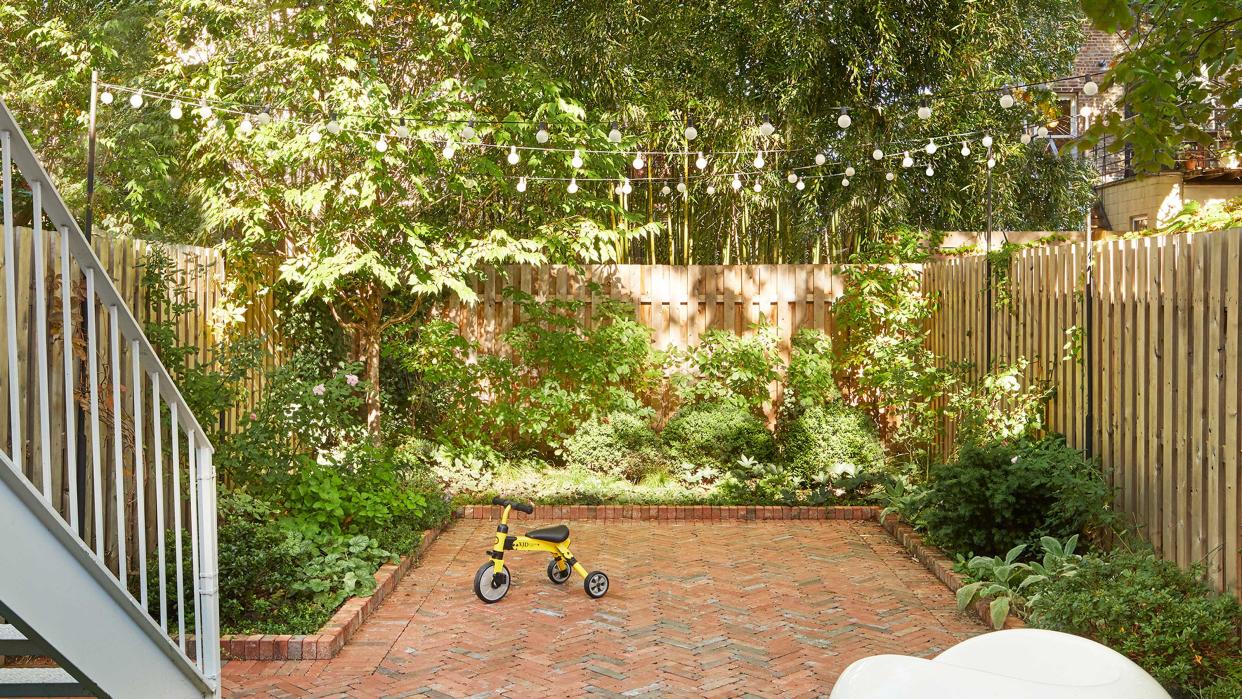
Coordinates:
<point>39,682</point>
<point>12,642</point>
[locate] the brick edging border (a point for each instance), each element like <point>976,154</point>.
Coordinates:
<point>675,513</point>
<point>328,640</point>
<point>940,565</point>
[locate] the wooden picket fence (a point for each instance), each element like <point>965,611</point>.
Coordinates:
<point>1167,379</point>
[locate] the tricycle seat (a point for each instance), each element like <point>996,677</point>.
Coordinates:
<point>555,534</point>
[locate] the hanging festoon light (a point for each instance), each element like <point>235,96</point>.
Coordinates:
<point>1026,137</point>
<point>106,97</point>
<point>681,187</point>
<point>849,171</point>
<point>576,161</point>
<point>135,100</point>
<point>766,128</point>
<point>468,133</point>
<point>619,189</point>
<point>513,158</point>
<point>626,187</point>
<point>314,136</point>
<point>701,161</point>
<point>791,178</point>
<point>204,110</point>
<point>176,112</point>
<point>334,126</point>
<point>245,127</point>
<point>573,185</point>
<point>691,132</point>
<point>845,181</point>
<point>759,161</point>
<point>877,154</point>
<point>986,141</point>
<point>820,158</point>
<point>1042,131</point>
<point>264,117</point>
<point>542,134</point>
<point>449,151</point>
<point>991,163</point>
<point>711,189</point>
<point>666,190</point>
<point>402,130</point>
<point>1006,98</point>
<point>907,161</point>
<point>521,185</point>
<point>638,163</point>
<point>931,147</point>
<point>1090,88</point>
<point>925,110</point>
<point>965,149</point>
<point>614,133</point>
<point>758,187</point>
<point>381,144</point>
<point>801,184</point>
<point>737,182</point>
<point>929,171</point>
<point>844,119</point>
<point>890,176</point>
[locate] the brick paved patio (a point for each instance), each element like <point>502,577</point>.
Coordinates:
<point>695,609</point>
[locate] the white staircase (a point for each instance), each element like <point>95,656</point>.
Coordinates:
<point>107,488</point>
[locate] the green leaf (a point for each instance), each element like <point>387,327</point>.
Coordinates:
<point>999,610</point>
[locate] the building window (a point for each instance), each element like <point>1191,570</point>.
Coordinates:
<point>1065,125</point>
<point>1138,223</point>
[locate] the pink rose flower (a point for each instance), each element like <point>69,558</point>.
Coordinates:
<point>351,379</point>
<point>253,417</point>
<point>319,390</point>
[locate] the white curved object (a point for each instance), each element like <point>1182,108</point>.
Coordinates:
<point>1015,664</point>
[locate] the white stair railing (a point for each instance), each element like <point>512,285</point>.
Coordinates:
<point>95,423</point>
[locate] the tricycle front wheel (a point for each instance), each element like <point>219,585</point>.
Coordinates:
<point>491,586</point>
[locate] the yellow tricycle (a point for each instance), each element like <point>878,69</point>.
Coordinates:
<point>491,582</point>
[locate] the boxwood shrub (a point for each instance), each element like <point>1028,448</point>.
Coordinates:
<point>717,433</point>
<point>833,438</point>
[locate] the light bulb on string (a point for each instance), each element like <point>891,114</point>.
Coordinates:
<point>264,117</point>
<point>576,162</point>
<point>1026,138</point>
<point>845,181</point>
<point>382,144</point>
<point>759,161</point>
<point>626,188</point>
<point>986,141</point>
<point>521,185</point>
<point>619,189</point>
<point>991,163</point>
<point>334,127</point>
<point>791,178</point>
<point>766,128</point>
<point>907,161</point>
<point>513,158</point>
<point>681,187</point>
<point>820,158</point>
<point>402,130</point>
<point>449,150</point>
<point>614,133</point>
<point>701,161</point>
<point>468,131</point>
<point>691,132</point>
<point>638,161</point>
<point>176,111</point>
<point>204,111</point>
<point>929,171</point>
<point>877,154</point>
<point>801,185</point>
<point>666,190</point>
<point>711,189</point>
<point>1006,99</point>
<point>890,176</point>
<point>314,136</point>
<point>1042,132</point>
<point>245,126</point>
<point>844,120</point>
<point>758,187</point>
<point>542,134</point>
<point>925,110</point>
<point>135,100</point>
<point>573,185</point>
<point>1090,88</point>
<point>930,148</point>
<point>737,183</point>
<point>849,171</point>
<point>106,97</point>
<point>965,148</point>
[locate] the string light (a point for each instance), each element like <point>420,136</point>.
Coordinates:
<point>1090,88</point>
<point>513,155</point>
<point>681,187</point>
<point>1006,99</point>
<point>907,161</point>
<point>626,188</point>
<point>175,113</point>
<point>766,128</point>
<point>929,171</point>
<point>577,159</point>
<point>573,185</point>
<point>691,133</point>
<point>135,100</point>
<point>245,127</point>
<point>666,190</point>
<point>890,176</point>
<point>986,141</point>
<point>314,136</point>
<point>925,110</point>
<point>106,98</point>
<point>381,145</point>
<point>844,120</point>
<point>801,185</point>
<point>791,177</point>
<point>845,181</point>
<point>403,131</point>
<point>820,158</point>
<point>1042,132</point>
<point>991,163</point>
<point>542,134</point>
<point>758,187</point>
<point>701,161</point>
<point>877,154</point>
<point>638,161</point>
<point>521,185</point>
<point>759,161</point>
<point>711,189</point>
<point>614,133</point>
<point>849,171</point>
<point>334,127</point>
<point>1026,138</point>
<point>449,151</point>
<point>468,131</point>
<point>965,149</point>
<point>264,117</point>
<point>930,148</point>
<point>737,183</point>
<point>204,111</point>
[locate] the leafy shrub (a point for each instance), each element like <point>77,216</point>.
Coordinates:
<point>832,439</point>
<point>730,367</point>
<point>1004,494</point>
<point>621,444</point>
<point>808,380</point>
<point>998,406</point>
<point>717,433</point>
<point>752,482</point>
<point>1013,585</point>
<point>1161,617</point>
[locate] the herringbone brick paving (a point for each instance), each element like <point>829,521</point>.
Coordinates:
<point>768,609</point>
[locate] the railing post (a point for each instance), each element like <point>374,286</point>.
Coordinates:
<point>209,588</point>
<point>10,300</point>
